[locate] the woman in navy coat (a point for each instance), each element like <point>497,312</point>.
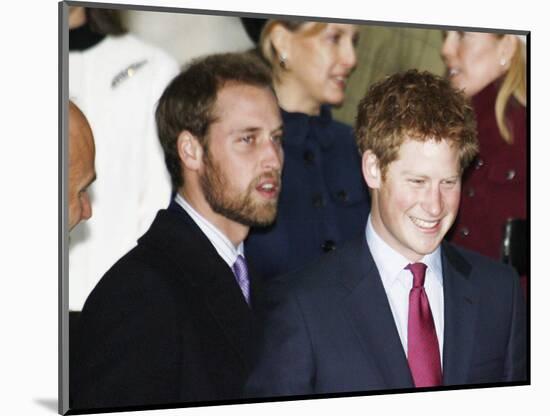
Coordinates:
<point>324,200</point>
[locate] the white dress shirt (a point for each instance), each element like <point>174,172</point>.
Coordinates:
<point>225,248</point>
<point>398,282</point>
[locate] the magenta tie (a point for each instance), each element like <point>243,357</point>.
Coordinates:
<point>423,348</point>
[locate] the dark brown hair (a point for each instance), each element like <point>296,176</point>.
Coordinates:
<point>416,105</point>
<point>105,21</point>
<point>188,101</point>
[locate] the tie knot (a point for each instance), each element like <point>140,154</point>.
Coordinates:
<point>419,273</point>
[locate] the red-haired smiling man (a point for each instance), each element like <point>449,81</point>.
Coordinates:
<point>400,307</point>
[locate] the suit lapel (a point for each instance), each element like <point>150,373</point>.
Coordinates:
<point>228,306</point>
<point>370,313</point>
<point>461,302</point>
<point>369,310</point>
<point>183,244</point>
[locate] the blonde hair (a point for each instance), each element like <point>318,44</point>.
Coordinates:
<point>514,84</point>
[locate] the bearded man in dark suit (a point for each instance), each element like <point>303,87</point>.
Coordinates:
<point>173,320</point>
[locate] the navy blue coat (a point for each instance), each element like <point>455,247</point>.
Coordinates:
<point>324,200</point>
<point>329,328</point>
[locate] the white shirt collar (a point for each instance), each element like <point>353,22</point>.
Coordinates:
<point>390,263</point>
<point>225,248</point>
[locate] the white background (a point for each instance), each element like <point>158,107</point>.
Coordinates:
<point>29,201</point>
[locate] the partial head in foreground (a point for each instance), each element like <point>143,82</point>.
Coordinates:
<point>416,134</point>
<point>81,166</point>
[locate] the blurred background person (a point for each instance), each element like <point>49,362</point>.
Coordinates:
<point>383,51</point>
<point>116,79</point>
<point>187,36</point>
<point>491,69</point>
<point>324,200</point>
<point>81,166</point>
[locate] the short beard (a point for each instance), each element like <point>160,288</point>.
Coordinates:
<point>241,208</point>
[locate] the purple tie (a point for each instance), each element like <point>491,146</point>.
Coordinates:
<point>241,274</point>
<point>423,348</point>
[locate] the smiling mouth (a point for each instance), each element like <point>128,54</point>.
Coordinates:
<point>341,80</point>
<point>424,224</point>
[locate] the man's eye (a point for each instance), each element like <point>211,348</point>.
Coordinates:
<point>417,181</point>
<point>247,139</point>
<point>277,138</point>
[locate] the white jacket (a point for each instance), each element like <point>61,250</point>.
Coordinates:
<point>117,84</point>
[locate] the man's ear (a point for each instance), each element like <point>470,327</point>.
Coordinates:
<point>371,170</point>
<point>189,151</point>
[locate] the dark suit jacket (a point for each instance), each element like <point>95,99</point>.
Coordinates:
<point>166,324</point>
<point>330,329</point>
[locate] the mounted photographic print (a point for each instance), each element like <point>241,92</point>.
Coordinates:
<point>274,207</point>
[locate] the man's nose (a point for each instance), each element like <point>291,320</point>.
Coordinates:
<point>272,156</point>
<point>433,201</point>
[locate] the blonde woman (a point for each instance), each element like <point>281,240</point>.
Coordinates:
<point>323,201</point>
<point>491,69</point>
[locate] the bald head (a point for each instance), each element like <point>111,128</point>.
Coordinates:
<point>77,16</point>
<point>81,166</point>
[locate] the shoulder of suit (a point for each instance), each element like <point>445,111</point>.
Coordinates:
<point>149,257</point>
<point>140,265</point>
<point>135,279</point>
